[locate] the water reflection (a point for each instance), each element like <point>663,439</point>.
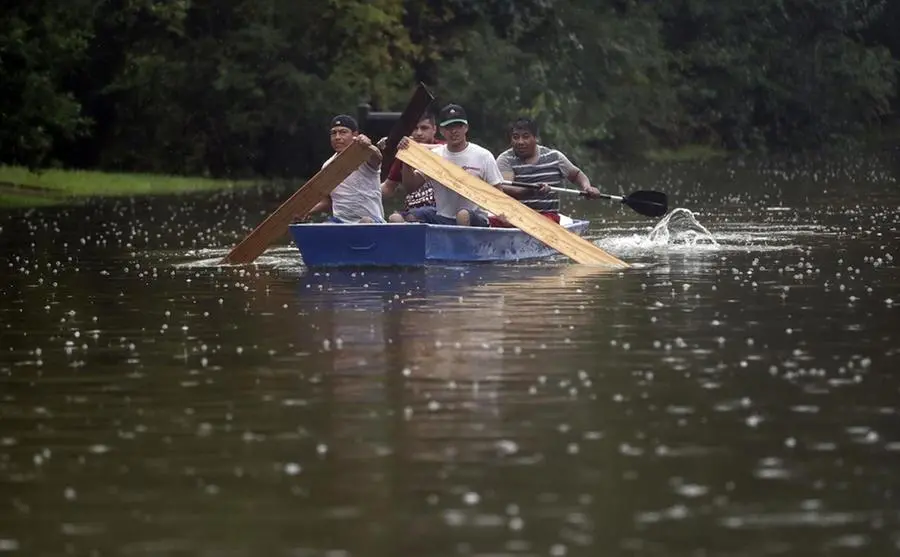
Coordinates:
<point>452,400</point>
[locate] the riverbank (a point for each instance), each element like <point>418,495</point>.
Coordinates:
<point>20,187</point>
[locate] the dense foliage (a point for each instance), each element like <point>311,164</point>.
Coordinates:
<point>244,87</point>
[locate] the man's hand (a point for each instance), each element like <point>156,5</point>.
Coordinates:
<point>404,143</point>
<point>544,188</point>
<point>363,140</point>
<point>591,192</point>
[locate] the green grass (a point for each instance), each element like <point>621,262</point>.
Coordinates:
<point>21,187</point>
<point>686,153</point>
<point>12,201</point>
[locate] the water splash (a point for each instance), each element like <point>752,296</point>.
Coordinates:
<point>681,227</point>
<point>277,257</point>
<point>678,232</point>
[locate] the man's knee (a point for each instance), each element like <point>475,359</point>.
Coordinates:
<point>472,217</point>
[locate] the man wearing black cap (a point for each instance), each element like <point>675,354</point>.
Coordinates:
<point>358,197</point>
<point>450,207</point>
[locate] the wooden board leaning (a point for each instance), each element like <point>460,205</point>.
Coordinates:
<point>299,204</point>
<point>501,204</point>
<point>418,104</point>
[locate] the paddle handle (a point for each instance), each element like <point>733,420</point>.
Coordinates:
<point>556,189</point>
<point>646,202</point>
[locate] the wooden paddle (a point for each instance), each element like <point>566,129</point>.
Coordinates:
<point>497,202</point>
<point>299,204</point>
<point>414,110</point>
<point>646,202</point>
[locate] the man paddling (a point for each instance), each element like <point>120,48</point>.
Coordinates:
<point>450,207</point>
<point>425,132</point>
<point>358,197</point>
<point>529,162</point>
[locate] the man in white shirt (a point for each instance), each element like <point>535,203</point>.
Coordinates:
<point>450,207</point>
<point>358,197</point>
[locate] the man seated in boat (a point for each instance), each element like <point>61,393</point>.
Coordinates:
<point>425,133</point>
<point>358,197</point>
<point>528,161</point>
<point>450,207</point>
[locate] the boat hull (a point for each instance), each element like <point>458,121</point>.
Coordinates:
<point>417,244</point>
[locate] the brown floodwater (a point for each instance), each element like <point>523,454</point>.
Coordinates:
<point>734,394</point>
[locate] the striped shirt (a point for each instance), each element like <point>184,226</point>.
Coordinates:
<point>551,167</point>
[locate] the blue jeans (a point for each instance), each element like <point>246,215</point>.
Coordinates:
<point>431,216</point>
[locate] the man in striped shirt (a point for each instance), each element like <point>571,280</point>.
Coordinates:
<point>532,163</point>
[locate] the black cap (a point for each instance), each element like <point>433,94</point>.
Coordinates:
<point>452,113</point>
<point>345,121</point>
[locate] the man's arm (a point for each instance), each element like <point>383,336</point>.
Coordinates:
<point>492,174</point>
<point>504,165</point>
<point>388,187</point>
<point>412,178</point>
<point>323,206</point>
<point>375,158</point>
<point>576,176</point>
<point>580,179</point>
<point>394,177</point>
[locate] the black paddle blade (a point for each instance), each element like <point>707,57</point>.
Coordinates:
<point>648,203</point>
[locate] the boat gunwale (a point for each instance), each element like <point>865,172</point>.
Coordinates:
<point>492,229</point>
<point>427,233</point>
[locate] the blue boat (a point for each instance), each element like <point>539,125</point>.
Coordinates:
<point>417,244</point>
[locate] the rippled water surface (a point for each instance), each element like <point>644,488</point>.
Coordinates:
<point>735,396</point>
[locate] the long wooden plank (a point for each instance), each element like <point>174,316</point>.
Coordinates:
<point>298,204</point>
<point>414,110</point>
<point>501,204</point>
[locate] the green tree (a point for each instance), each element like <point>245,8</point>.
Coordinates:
<point>223,81</point>
<point>775,72</point>
<point>245,87</point>
<point>41,43</point>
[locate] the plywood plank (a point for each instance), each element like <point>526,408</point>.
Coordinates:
<point>501,204</point>
<point>299,204</point>
<point>410,117</point>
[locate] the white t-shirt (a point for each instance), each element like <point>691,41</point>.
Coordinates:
<point>359,195</point>
<point>474,159</point>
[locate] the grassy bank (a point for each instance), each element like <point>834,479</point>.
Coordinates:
<point>20,187</point>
